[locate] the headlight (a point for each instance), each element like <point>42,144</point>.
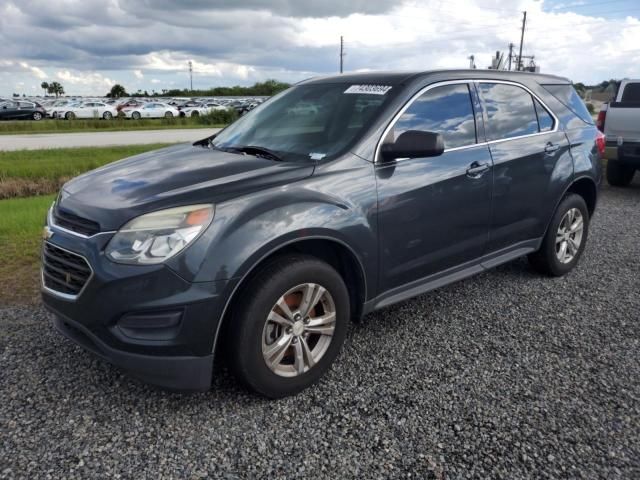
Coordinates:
<point>157,236</point>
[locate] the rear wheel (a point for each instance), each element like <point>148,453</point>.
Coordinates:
<point>619,174</point>
<point>565,239</point>
<point>70,115</point>
<point>195,113</point>
<point>107,115</point>
<point>289,327</point>
<point>135,115</point>
<point>168,115</point>
<point>37,116</point>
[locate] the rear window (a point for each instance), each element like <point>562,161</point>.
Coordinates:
<point>631,93</point>
<point>568,96</point>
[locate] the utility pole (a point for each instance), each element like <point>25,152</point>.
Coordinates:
<point>342,54</point>
<point>472,63</point>
<point>191,74</point>
<point>510,54</point>
<point>524,23</point>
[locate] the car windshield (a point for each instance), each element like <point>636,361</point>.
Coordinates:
<point>308,121</point>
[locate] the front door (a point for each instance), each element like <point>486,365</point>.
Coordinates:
<point>434,213</point>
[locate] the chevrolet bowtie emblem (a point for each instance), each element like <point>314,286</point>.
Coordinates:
<point>47,233</point>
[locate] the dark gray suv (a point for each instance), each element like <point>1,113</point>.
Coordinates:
<point>337,197</point>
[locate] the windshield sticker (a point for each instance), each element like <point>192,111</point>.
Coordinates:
<point>317,156</point>
<point>370,89</point>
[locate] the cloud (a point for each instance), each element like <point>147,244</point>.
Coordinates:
<point>285,8</point>
<point>141,43</point>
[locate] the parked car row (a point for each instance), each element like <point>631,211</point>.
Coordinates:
<point>69,108</point>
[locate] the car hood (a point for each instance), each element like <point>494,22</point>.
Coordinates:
<point>178,175</point>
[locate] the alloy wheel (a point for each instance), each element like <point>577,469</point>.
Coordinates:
<point>569,235</point>
<point>298,330</point>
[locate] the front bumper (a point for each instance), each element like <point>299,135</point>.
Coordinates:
<point>145,319</point>
<point>171,372</point>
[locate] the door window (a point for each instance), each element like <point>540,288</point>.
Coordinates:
<point>510,111</point>
<point>447,110</point>
<point>545,120</point>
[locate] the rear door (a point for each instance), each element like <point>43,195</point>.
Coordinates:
<point>527,149</point>
<point>433,213</point>
<point>9,110</point>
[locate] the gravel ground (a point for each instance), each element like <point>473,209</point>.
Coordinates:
<point>506,375</point>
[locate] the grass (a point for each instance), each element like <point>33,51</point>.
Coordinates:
<point>29,180</point>
<point>38,172</point>
<point>21,222</point>
<point>215,119</point>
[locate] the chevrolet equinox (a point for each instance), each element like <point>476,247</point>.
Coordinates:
<point>337,197</point>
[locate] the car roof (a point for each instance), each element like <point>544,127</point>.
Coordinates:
<point>396,78</point>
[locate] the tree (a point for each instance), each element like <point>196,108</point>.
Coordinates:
<point>45,87</point>
<point>56,89</point>
<point>117,91</point>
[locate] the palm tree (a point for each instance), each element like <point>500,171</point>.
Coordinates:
<point>45,87</point>
<point>117,91</point>
<point>56,89</point>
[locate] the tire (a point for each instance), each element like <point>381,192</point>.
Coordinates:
<point>135,115</point>
<point>70,116</point>
<point>250,334</point>
<point>549,259</point>
<point>195,113</point>
<point>37,116</point>
<point>107,115</point>
<point>168,115</point>
<point>619,174</point>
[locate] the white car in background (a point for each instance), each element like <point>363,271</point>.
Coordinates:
<point>87,110</point>
<point>201,109</point>
<point>151,110</point>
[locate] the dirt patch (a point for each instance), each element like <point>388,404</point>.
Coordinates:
<point>28,187</point>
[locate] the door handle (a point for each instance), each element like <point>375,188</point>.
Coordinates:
<point>551,148</point>
<point>476,169</point>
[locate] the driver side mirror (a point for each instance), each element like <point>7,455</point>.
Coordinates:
<point>414,144</point>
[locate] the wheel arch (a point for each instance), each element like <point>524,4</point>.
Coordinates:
<point>587,189</point>
<point>334,252</point>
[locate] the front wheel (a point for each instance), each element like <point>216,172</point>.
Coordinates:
<point>135,115</point>
<point>195,113</point>
<point>37,116</point>
<point>289,327</point>
<point>107,115</point>
<point>168,115</point>
<point>70,115</point>
<point>619,174</point>
<point>565,239</point>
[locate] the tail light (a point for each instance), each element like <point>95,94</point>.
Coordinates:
<point>601,143</point>
<point>602,116</point>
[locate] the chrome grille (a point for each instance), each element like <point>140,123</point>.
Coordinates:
<point>64,272</point>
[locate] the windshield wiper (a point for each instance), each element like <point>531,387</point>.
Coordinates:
<point>258,152</point>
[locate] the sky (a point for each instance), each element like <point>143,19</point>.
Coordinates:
<point>89,45</point>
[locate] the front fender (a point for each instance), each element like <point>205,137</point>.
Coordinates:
<point>248,229</point>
